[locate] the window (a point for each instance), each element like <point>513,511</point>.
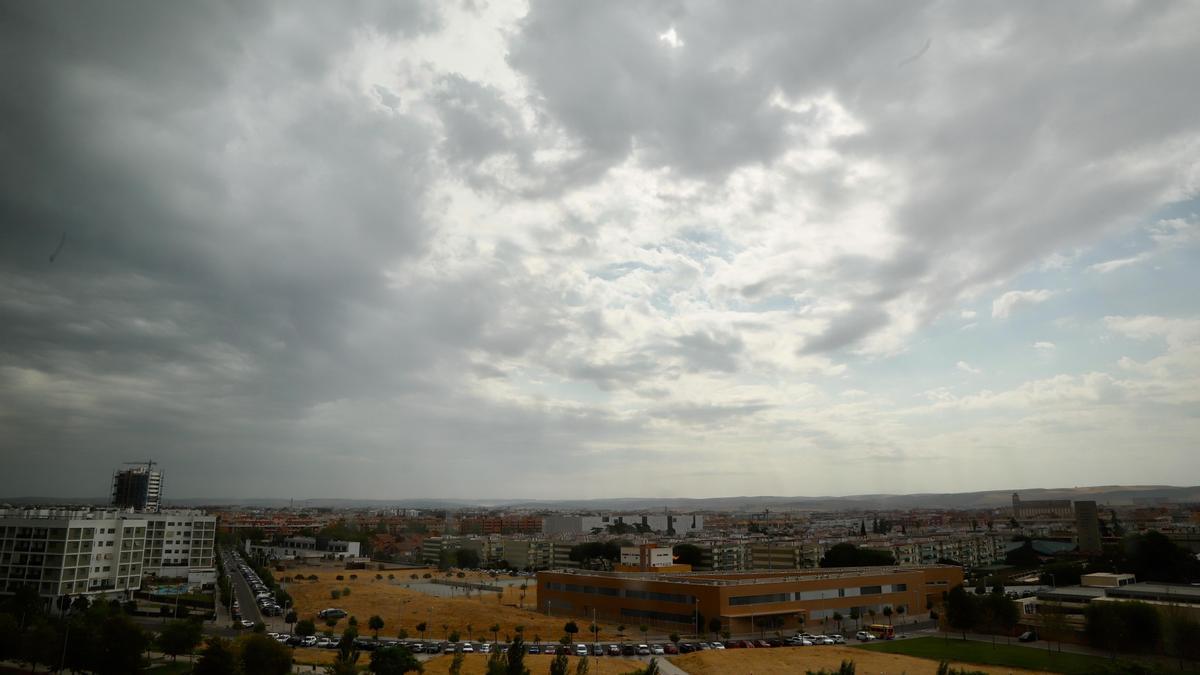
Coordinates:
<point>870,590</point>
<point>759,599</point>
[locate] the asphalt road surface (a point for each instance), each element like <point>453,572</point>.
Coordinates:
<point>241,589</point>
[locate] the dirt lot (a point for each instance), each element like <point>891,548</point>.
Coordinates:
<point>401,607</point>
<point>749,661</point>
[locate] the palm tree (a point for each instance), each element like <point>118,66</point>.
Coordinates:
<point>621,632</point>
<point>445,631</point>
<point>887,611</point>
<point>837,618</point>
<point>856,615</point>
<point>495,632</point>
<point>871,613</point>
<point>645,629</point>
<point>900,610</point>
<point>421,629</point>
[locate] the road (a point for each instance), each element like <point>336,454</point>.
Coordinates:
<point>241,589</point>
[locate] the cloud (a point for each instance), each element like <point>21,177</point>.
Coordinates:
<point>1044,346</point>
<point>1165,235</point>
<point>363,248</point>
<point>967,368</point>
<point>1003,306</point>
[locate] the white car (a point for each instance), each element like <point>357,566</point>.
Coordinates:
<point>581,650</point>
<point>838,639</point>
<point>326,643</point>
<point>485,648</point>
<point>467,648</point>
<point>246,623</point>
<point>717,645</point>
<point>310,641</point>
<point>864,636</point>
<point>657,650</point>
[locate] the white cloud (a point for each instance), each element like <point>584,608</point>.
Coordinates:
<point>968,314</point>
<point>1165,236</point>
<point>1044,346</point>
<point>1004,305</point>
<point>967,368</point>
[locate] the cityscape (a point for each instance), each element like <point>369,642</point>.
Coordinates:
<point>527,337</point>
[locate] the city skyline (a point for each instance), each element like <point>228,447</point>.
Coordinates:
<point>599,250</point>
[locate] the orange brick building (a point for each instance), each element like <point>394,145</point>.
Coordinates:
<point>746,602</point>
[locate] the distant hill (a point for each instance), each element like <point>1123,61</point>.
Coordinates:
<point>1115,495</point>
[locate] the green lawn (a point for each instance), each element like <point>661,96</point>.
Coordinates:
<point>983,653</point>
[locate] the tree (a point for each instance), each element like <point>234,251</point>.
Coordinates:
<point>180,637</point>
<point>1182,635</point>
<point>394,661</point>
<point>714,625</point>
<point>375,623</point>
<point>559,665</point>
<point>900,610</point>
<point>343,664</point>
<point>645,629</point>
<point>305,628</point>
<point>849,555</point>
<point>571,628</point>
<point>516,657</point>
<point>122,643</point>
<point>674,637</point>
<point>495,631</point>
<point>621,632</point>
<point>466,558</point>
<point>421,629</point>
<point>582,667</point>
<point>862,528</point>
<point>960,610</point>
<point>1105,627</point>
<point>263,656</point>
<point>291,617</point>
<point>456,663</point>
<point>39,643</point>
<point>855,615</point>
<point>688,554</point>
<point>887,611</point>
<point>1054,624</point>
<point>217,659</point>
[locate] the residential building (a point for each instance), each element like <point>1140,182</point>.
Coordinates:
<point>670,524</point>
<point>63,552</point>
<point>181,544</point>
<point>138,488</point>
<point>1042,508</point>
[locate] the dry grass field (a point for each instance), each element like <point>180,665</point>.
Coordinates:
<point>402,607</point>
<point>476,665</point>
<point>763,661</point>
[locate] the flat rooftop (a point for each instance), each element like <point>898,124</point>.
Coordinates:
<point>752,577</point>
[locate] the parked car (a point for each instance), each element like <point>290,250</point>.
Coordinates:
<point>614,650</point>
<point>534,649</point>
<point>864,636</point>
<point>762,644</point>
<point>670,648</point>
<point>467,649</point>
<point>643,650</point>
<point>657,650</point>
<point>629,650</point>
<point>714,645</point>
<point>581,650</point>
<point>597,650</point>
<point>838,639</point>
<point>1028,636</point>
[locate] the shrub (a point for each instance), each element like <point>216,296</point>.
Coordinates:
<point>346,591</point>
<point>353,577</point>
<point>945,669</point>
<point>847,668</point>
<point>312,577</point>
<point>335,594</point>
<point>340,578</point>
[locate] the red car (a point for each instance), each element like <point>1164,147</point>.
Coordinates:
<point>670,648</point>
<point>762,644</point>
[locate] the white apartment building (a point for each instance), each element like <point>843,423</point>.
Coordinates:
<point>181,545</point>
<point>60,552</point>
<point>300,548</point>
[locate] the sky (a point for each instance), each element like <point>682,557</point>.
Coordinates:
<point>485,249</point>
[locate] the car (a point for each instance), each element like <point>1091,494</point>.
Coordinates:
<point>731,644</point>
<point>468,649</point>
<point>715,645</point>
<point>273,636</point>
<point>670,648</point>
<point>614,650</point>
<point>332,613</point>
<point>1028,636</point>
<point>581,650</point>
<point>629,650</point>
<point>643,650</point>
<point>864,636</point>
<point>687,648</point>
<point>310,641</point>
<point>657,650</point>
<point>283,637</point>
<point>295,640</point>
<point>534,649</point>
<point>450,648</point>
<point>550,649</point>
<point>762,644</point>
<point>246,623</point>
<point>485,648</point>
<point>326,643</point>
<point>837,639</point>
<point>822,640</point>
<point>597,650</point>
<point>775,642</point>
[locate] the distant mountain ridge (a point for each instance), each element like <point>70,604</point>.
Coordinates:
<point>1115,495</point>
